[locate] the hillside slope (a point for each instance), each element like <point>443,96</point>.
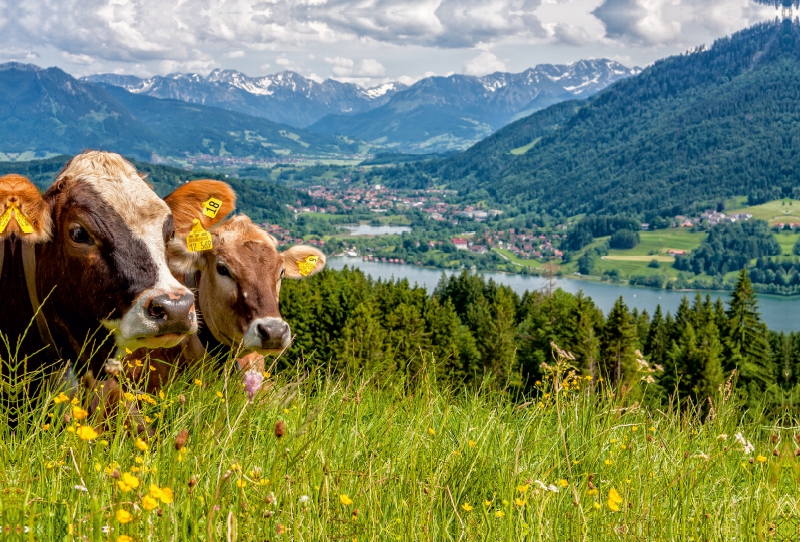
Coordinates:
<point>46,111</point>
<point>690,130</point>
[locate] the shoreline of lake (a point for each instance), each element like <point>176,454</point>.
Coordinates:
<point>773,308</point>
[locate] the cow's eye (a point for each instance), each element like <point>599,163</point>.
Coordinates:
<point>80,235</point>
<point>223,270</point>
<point>282,272</point>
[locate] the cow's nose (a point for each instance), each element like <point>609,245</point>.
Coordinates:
<point>272,330</point>
<point>173,313</point>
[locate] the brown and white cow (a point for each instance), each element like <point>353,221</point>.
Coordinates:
<point>238,287</point>
<point>100,268</point>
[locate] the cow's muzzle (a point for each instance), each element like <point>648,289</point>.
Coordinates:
<point>158,319</point>
<point>267,335</point>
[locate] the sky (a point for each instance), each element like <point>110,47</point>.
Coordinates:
<point>367,42</point>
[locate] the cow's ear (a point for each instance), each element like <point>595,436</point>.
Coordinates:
<point>182,261</point>
<point>302,261</point>
<point>23,211</point>
<point>207,201</point>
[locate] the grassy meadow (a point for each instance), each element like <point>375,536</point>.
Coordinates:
<point>387,457</point>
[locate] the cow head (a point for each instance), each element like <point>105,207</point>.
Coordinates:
<point>107,261</point>
<point>23,212</point>
<point>240,282</point>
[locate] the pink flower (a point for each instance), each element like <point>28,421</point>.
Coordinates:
<point>253,380</point>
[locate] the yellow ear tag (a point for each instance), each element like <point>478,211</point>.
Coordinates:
<point>211,207</point>
<point>21,219</point>
<point>5,219</point>
<point>307,266</point>
<point>198,239</point>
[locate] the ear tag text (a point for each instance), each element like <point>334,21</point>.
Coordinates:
<point>211,207</point>
<point>198,239</point>
<point>308,265</point>
<point>22,220</point>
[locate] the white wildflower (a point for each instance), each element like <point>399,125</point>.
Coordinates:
<point>304,499</point>
<point>748,446</point>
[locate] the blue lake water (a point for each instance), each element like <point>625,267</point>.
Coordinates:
<point>366,229</point>
<point>779,313</point>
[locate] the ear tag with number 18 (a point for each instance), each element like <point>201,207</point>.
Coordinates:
<point>198,239</point>
<point>211,207</point>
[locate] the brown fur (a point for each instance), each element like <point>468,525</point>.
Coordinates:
<point>19,190</point>
<point>187,200</point>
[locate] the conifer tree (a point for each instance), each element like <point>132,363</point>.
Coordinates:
<point>618,344</point>
<point>747,339</point>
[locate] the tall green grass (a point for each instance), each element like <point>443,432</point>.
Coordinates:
<point>388,457</point>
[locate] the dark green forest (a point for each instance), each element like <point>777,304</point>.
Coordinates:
<point>476,328</point>
<point>687,133</point>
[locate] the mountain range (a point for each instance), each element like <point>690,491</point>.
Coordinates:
<point>688,132</point>
<point>433,115</point>
<point>284,97</point>
<point>47,111</point>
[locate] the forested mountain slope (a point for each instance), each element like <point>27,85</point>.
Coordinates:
<point>692,128</point>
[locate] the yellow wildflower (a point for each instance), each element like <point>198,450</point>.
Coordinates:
<point>761,459</point>
<point>345,500</point>
<point>499,513</point>
<point>523,488</point>
<point>86,432</point>
<point>219,394</point>
<point>149,503</point>
<point>240,483</point>
<point>487,502</point>
<point>592,491</point>
<point>563,483</point>
<point>62,398</point>
<point>46,426</point>
<point>129,396</point>
<point>142,445</point>
<point>596,505</point>
<point>124,538</point>
<point>198,382</point>
<point>614,499</point>
<point>634,428</point>
<point>466,507</point>
<point>130,479</point>
<point>520,502</point>
<point>472,443</point>
<point>123,516</point>
<point>166,495</point>
<point>431,431</point>
<point>78,413</point>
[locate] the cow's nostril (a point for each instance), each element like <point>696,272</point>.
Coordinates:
<point>263,331</point>
<point>157,312</point>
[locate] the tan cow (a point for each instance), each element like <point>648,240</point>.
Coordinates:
<point>237,294</point>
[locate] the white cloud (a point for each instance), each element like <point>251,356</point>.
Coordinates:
<point>83,60</point>
<point>660,22</point>
<point>203,67</point>
<point>347,67</point>
<point>484,63</point>
<point>235,54</point>
<point>568,34</point>
<point>16,54</point>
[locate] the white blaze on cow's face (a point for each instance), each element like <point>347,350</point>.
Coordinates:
<point>239,284</point>
<point>112,230</point>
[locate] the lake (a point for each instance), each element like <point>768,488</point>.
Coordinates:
<point>779,313</point>
<point>366,229</point>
